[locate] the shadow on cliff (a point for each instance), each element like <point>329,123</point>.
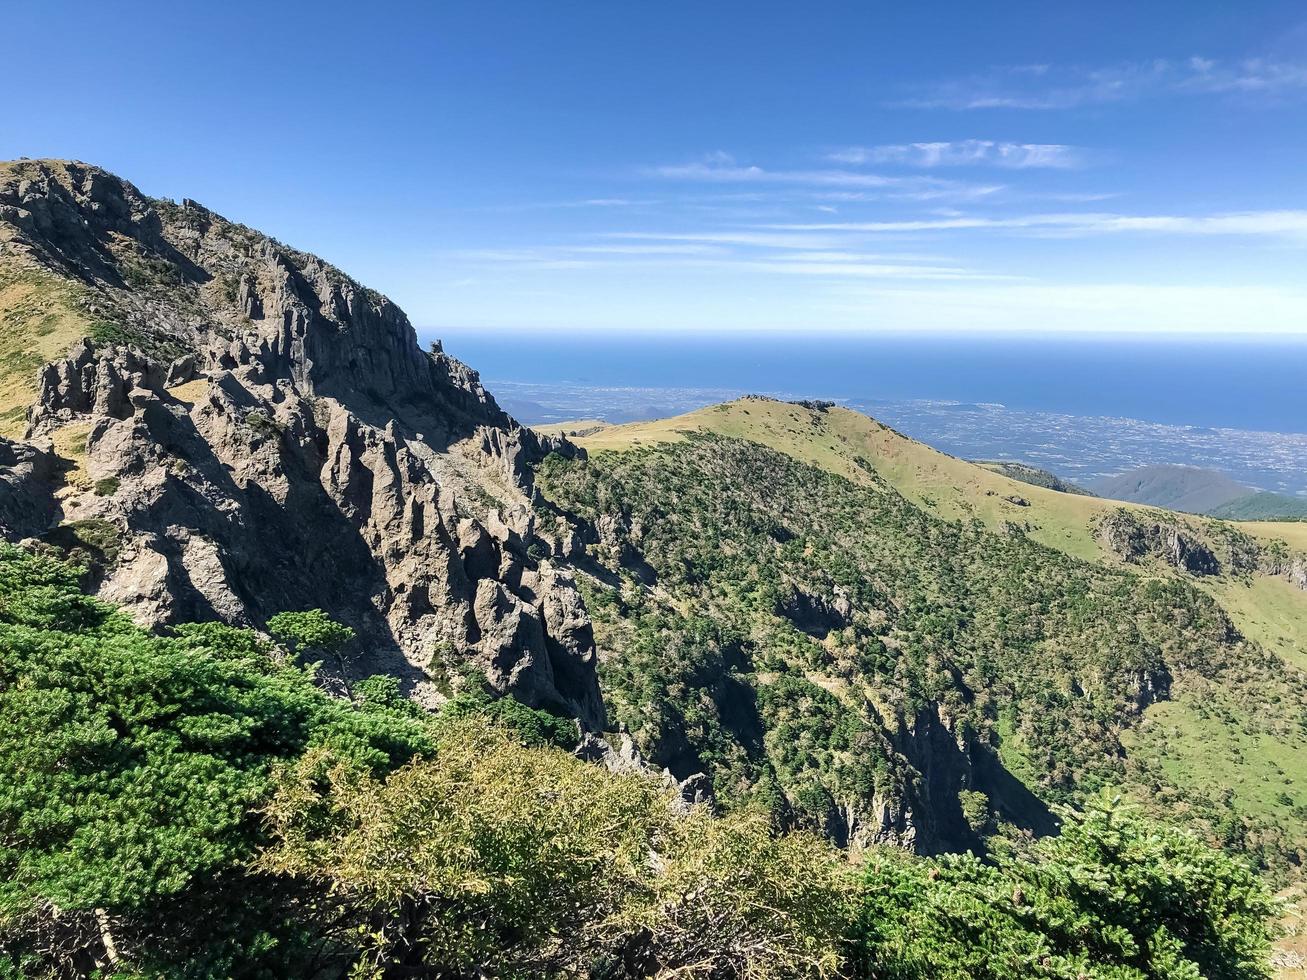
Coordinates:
<point>300,554</point>
<point>947,770</point>
<point>80,247</point>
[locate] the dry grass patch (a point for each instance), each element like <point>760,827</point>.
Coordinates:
<point>70,446</point>
<point>190,392</point>
<point>39,321</point>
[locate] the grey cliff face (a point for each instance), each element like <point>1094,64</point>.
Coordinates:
<point>28,477</point>
<point>1133,539</point>
<point>1204,548</point>
<point>271,436</point>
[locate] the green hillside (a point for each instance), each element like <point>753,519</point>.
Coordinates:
<point>1237,716</point>
<point>1033,475</point>
<point>1184,488</point>
<point>1198,491</point>
<point>832,648</point>
<point>1262,507</point>
<point>943,485</point>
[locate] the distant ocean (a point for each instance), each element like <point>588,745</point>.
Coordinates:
<point>1260,384</point>
<point>1081,408</point>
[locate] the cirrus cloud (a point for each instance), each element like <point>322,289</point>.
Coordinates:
<point>962,153</point>
<point>1284,223</point>
<point>1049,87</point>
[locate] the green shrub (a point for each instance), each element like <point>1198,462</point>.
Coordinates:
<point>491,858</point>
<point>92,540</point>
<point>133,762</point>
<point>309,632</point>
<point>1115,897</point>
<point>530,726</point>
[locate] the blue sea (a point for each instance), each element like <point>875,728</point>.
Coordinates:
<point>1080,407</point>
<point>1258,384</point>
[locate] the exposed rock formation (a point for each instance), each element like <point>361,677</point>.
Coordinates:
<point>263,433</point>
<point>816,615</point>
<point>1289,566</point>
<point>694,790</point>
<point>28,476</point>
<point>1199,548</point>
<point>1133,539</point>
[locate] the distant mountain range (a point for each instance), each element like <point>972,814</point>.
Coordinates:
<point>1198,491</point>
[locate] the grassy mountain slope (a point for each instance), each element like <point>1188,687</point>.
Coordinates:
<point>944,485</point>
<point>833,439</point>
<point>575,427</point>
<point>1184,488</point>
<point>1262,507</point>
<point>1217,744</point>
<point>40,319</point>
<point>1293,533</point>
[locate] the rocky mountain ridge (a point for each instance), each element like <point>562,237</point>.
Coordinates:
<point>248,430</point>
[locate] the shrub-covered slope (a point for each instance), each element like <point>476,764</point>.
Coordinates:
<point>194,806</point>
<point>830,649</point>
<point>1263,507</point>
<point>1183,488</point>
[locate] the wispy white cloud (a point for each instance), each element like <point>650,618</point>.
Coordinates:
<point>579,253</point>
<point>671,248</point>
<point>1111,307</point>
<point>1045,87</point>
<point>757,239</point>
<point>719,168</point>
<point>728,253</point>
<point>1250,75</point>
<point>874,270</point>
<point>962,153</point>
<point>592,202</point>
<point>1291,224</point>
<point>1074,197</point>
<point>837,256</point>
<point>794,247</point>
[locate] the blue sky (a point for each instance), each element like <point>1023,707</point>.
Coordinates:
<point>1071,167</point>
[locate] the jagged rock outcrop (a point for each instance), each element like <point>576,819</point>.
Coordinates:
<point>1283,564</point>
<point>940,761</point>
<point>263,433</point>
<point>694,790</point>
<point>28,477</point>
<point>1133,539</point>
<point>817,615</point>
<point>1297,572</point>
<point>1212,548</point>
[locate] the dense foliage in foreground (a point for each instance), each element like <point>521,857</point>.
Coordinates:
<point>192,805</point>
